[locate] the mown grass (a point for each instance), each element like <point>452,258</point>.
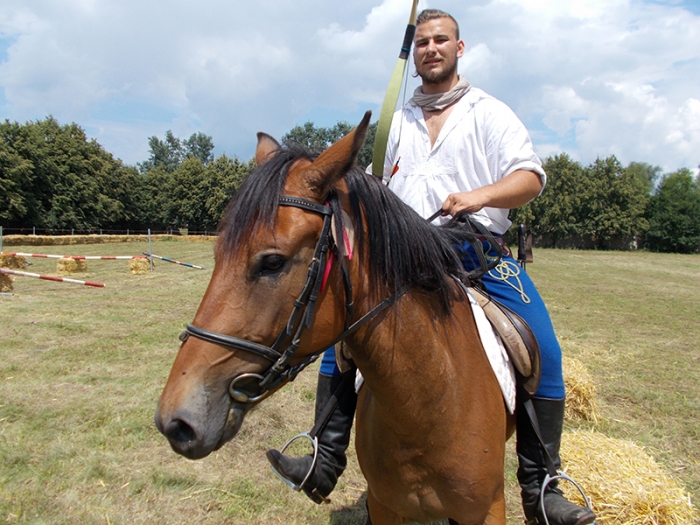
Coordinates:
<point>81,370</point>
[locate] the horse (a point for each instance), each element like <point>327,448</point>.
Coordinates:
<point>312,251</point>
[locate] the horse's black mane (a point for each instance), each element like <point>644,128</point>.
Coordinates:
<point>401,248</point>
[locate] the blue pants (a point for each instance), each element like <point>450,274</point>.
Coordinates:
<point>510,285</point>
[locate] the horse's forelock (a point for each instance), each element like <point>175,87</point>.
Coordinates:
<point>254,205</point>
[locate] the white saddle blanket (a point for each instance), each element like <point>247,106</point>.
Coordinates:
<point>495,351</point>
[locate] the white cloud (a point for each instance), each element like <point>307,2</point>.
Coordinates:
<point>589,77</point>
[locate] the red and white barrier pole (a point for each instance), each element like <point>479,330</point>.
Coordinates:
<point>51,278</point>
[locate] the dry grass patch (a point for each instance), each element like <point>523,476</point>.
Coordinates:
<point>79,386</point>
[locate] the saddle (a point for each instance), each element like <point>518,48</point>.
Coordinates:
<point>517,338</point>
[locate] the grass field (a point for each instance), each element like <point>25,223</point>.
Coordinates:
<point>81,370</point>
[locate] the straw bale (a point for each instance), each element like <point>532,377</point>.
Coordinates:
<point>625,485</point>
<point>13,262</point>
<point>67,265</point>
<point>5,282</point>
<point>140,266</point>
<point>580,391</point>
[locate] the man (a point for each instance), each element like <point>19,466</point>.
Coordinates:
<point>455,148</point>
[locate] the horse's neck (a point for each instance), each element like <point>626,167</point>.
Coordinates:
<point>416,353</point>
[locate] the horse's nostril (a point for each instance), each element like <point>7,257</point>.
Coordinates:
<point>177,431</point>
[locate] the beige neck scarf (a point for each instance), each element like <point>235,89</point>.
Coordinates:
<point>440,101</point>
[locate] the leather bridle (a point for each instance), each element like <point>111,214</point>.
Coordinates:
<point>250,388</point>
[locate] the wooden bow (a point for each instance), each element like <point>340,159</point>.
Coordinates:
<point>392,96</point>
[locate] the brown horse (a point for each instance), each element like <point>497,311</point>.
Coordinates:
<point>431,420</point>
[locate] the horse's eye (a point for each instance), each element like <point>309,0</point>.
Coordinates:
<point>272,263</point>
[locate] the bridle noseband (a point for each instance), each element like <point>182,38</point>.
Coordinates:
<point>243,388</point>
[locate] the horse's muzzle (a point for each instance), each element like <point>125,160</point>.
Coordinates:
<point>187,439</point>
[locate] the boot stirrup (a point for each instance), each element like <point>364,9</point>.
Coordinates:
<point>314,444</point>
<point>549,479</point>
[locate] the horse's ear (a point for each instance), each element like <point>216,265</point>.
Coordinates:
<point>267,147</point>
<point>336,161</point>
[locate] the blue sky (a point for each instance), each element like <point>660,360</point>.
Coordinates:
<point>590,78</point>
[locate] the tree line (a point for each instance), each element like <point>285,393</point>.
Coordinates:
<point>605,205</point>
<point>53,177</point>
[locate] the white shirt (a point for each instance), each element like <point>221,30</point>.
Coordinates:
<point>481,142</point>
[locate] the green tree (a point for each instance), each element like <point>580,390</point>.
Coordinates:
<point>193,196</point>
<point>54,177</point>
<point>223,177</point>
<point>674,215</point>
<point>555,215</point>
<point>316,139</point>
<point>647,174</point>
<point>199,146</point>
<point>172,151</point>
<point>613,204</point>
<point>16,174</point>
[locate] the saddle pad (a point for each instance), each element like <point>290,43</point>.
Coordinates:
<point>495,351</point>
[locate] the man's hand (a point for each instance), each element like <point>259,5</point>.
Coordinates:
<point>469,201</point>
<point>512,191</point>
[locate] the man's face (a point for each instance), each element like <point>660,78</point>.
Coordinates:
<point>436,50</point>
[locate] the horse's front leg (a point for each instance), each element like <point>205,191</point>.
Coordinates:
<point>497,512</point>
<point>378,514</point>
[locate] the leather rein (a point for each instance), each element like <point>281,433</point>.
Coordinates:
<point>250,388</point>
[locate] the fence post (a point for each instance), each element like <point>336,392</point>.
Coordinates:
<point>150,250</point>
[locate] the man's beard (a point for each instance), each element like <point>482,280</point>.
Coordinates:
<point>437,77</point>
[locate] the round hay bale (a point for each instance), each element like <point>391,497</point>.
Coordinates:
<point>67,265</point>
<point>5,283</point>
<point>140,266</point>
<point>625,485</point>
<point>13,262</point>
<point>580,391</point>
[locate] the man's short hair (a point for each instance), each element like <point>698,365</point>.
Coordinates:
<point>433,14</point>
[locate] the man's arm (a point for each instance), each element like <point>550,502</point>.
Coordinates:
<point>512,191</point>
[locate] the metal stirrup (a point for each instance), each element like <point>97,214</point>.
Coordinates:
<point>314,444</point>
<point>549,479</point>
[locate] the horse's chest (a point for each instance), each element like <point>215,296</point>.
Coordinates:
<point>401,478</point>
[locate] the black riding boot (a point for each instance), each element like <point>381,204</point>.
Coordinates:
<point>333,440</point>
<point>532,467</point>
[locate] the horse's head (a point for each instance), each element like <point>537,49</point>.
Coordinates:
<point>265,313</point>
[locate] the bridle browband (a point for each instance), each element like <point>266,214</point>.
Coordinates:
<point>281,369</point>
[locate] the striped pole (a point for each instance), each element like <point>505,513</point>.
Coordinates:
<point>173,261</point>
<point>51,278</point>
<point>76,257</point>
